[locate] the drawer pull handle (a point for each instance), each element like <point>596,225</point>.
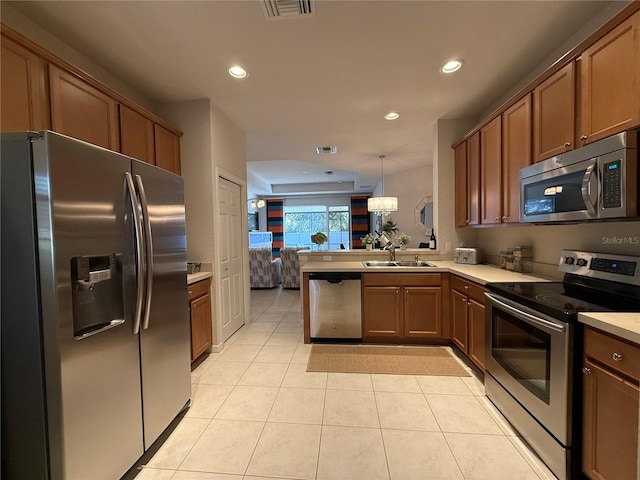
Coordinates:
<point>617,357</point>
<point>586,370</point>
<point>466,287</point>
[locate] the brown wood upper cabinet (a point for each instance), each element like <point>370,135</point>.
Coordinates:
<point>82,111</point>
<point>25,93</point>
<point>473,179</point>
<point>554,114</point>
<point>136,135</point>
<point>460,173</point>
<point>610,83</point>
<point>467,181</point>
<point>490,172</point>
<point>516,154</point>
<point>167,146</point>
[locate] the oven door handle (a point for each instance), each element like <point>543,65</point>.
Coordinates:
<point>524,316</point>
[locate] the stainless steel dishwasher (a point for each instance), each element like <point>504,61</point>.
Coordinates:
<point>335,305</point>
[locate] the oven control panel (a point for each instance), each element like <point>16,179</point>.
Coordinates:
<point>618,268</point>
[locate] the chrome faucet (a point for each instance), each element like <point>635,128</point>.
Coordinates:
<point>392,251</point>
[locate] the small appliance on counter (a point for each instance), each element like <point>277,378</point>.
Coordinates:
<point>470,256</point>
<point>193,267</point>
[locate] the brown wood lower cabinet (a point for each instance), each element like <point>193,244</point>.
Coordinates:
<point>403,307</point>
<point>610,410</point>
<point>201,320</point>
<point>467,319</point>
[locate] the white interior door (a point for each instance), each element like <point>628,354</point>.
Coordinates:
<point>230,255</point>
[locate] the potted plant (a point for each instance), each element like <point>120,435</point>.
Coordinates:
<point>389,226</point>
<point>318,238</point>
<point>403,240</point>
<point>368,240</point>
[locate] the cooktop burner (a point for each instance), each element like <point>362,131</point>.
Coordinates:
<point>592,283</point>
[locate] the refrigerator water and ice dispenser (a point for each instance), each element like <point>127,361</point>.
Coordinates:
<point>98,302</point>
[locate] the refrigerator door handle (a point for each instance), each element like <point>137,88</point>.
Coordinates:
<point>148,251</point>
<point>139,247</point>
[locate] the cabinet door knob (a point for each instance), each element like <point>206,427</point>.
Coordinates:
<point>583,138</point>
<point>469,303</point>
<point>504,217</point>
<point>567,144</point>
<point>466,287</point>
<point>190,292</point>
<point>467,221</point>
<point>617,357</point>
<point>586,370</point>
<point>497,218</point>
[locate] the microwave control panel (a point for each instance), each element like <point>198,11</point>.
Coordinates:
<point>611,184</point>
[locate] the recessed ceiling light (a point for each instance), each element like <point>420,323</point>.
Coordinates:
<point>392,116</point>
<point>451,66</point>
<point>238,72</point>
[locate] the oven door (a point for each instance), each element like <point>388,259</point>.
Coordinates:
<point>529,355</point>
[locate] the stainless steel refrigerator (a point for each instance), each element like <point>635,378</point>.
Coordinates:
<point>95,328</point>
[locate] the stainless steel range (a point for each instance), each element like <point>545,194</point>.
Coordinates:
<point>534,349</point>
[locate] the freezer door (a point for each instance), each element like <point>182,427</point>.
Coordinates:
<point>91,358</point>
<point>165,332</point>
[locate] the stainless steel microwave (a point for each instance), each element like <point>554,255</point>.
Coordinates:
<point>597,181</point>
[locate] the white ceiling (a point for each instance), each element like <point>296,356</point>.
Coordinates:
<point>323,80</point>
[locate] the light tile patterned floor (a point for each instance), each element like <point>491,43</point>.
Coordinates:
<point>256,414</point>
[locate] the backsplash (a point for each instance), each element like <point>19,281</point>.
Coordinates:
<point>622,238</point>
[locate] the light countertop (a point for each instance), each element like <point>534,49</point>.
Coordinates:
<point>477,273</point>
<point>196,277</point>
<point>623,325</point>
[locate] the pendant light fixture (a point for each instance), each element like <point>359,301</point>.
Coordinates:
<point>382,205</point>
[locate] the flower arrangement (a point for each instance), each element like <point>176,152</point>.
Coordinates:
<point>318,238</point>
<point>368,239</point>
<point>403,239</point>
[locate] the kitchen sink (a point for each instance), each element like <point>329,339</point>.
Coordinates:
<point>399,263</point>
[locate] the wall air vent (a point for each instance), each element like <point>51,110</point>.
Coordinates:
<point>326,150</point>
<point>288,8</point>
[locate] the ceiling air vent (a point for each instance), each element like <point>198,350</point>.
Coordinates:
<point>327,150</point>
<point>288,8</point>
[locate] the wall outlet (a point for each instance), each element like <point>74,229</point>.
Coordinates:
<point>327,258</point>
<point>447,246</point>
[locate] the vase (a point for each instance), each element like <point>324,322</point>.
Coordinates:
<point>403,247</point>
<point>369,246</point>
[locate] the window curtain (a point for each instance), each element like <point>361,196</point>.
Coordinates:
<point>275,224</point>
<point>360,220</point>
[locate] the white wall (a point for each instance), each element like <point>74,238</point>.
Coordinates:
<point>194,119</point>
<point>410,187</point>
<point>212,145</point>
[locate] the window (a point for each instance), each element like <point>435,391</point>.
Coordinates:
<point>300,222</point>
